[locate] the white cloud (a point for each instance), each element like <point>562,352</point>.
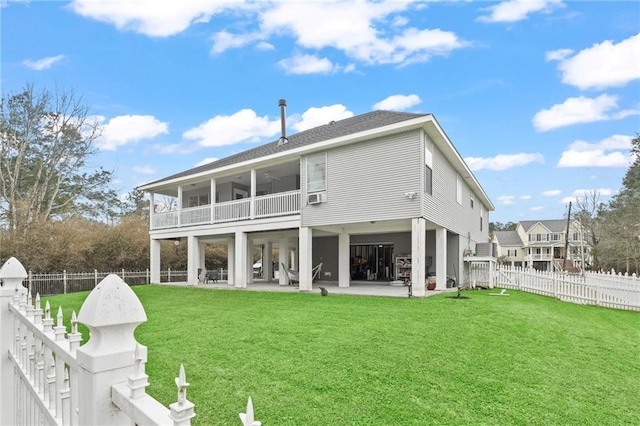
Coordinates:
<point>353,27</point>
<point>369,32</point>
<point>506,200</point>
<point>263,45</point>
<point>602,65</point>
<point>558,55</point>
<point>156,18</point>
<point>537,208</point>
<point>206,161</point>
<point>398,102</point>
<point>503,161</point>
<point>224,40</point>
<point>223,130</point>
<point>580,110</point>
<point>125,129</point>
<point>147,170</point>
<point>314,117</point>
<point>552,193</point>
<point>525,197</point>
<point>584,154</point>
<point>44,63</point>
<point>307,64</point>
<point>517,10</point>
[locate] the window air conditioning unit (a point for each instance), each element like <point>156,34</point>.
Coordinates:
<point>314,198</point>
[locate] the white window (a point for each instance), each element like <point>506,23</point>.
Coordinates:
<point>317,173</point>
<point>459,189</point>
<point>472,202</point>
<point>198,200</point>
<point>428,169</point>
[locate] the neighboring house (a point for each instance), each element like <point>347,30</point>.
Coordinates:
<point>540,244</point>
<point>359,195</point>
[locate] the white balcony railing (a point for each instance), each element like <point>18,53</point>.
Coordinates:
<point>280,204</point>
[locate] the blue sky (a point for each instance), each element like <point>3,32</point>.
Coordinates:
<point>541,98</point>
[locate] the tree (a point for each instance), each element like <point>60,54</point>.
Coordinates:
<point>46,140</point>
<point>588,213</point>
<point>620,244</point>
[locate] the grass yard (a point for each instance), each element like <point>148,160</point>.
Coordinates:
<point>347,360</point>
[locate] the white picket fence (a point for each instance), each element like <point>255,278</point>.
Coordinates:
<point>619,291</point>
<point>47,378</point>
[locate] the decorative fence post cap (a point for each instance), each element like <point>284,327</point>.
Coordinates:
<point>13,269</point>
<point>112,302</point>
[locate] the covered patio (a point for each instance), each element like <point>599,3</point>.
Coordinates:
<point>357,288</point>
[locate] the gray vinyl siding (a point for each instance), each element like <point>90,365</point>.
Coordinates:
<point>367,181</point>
<point>443,209</point>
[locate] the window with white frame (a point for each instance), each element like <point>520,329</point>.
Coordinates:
<point>459,189</point>
<point>428,168</point>
<point>198,200</point>
<point>512,252</point>
<point>472,202</point>
<point>317,173</point>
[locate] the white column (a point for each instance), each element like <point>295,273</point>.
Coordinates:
<point>344,260</point>
<point>154,261</point>
<point>212,197</point>
<point>249,261</point>
<point>252,203</point>
<point>241,260</point>
<point>179,205</point>
<point>12,274</point>
<point>306,260</point>
<point>201,264</point>
<point>193,260</point>
<point>152,208</point>
<point>283,255</point>
<point>441,259</point>
<point>231,261</point>
<point>418,255</point>
<point>267,264</point>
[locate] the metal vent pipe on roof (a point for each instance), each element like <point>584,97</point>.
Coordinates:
<point>282,103</point>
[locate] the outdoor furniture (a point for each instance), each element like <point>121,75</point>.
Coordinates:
<point>211,276</point>
<point>294,276</point>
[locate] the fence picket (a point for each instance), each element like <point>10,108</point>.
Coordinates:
<point>619,291</point>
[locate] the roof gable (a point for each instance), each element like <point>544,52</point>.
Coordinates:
<point>332,130</point>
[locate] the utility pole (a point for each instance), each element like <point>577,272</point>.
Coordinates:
<point>566,240</point>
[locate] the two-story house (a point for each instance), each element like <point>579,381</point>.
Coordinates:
<point>371,189</point>
<point>541,244</point>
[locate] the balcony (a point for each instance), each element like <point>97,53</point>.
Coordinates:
<point>262,206</point>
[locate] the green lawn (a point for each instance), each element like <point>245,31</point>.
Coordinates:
<point>346,360</point>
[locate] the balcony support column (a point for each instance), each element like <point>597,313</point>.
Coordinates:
<point>231,261</point>
<point>441,259</point>
<point>154,261</point>
<point>241,260</point>
<point>267,261</point>
<point>306,258</point>
<point>250,246</point>
<point>283,255</point>
<point>193,259</point>
<point>344,260</point>
<point>418,255</point>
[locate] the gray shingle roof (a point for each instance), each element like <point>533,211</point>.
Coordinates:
<point>335,129</point>
<point>554,225</point>
<point>508,238</point>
